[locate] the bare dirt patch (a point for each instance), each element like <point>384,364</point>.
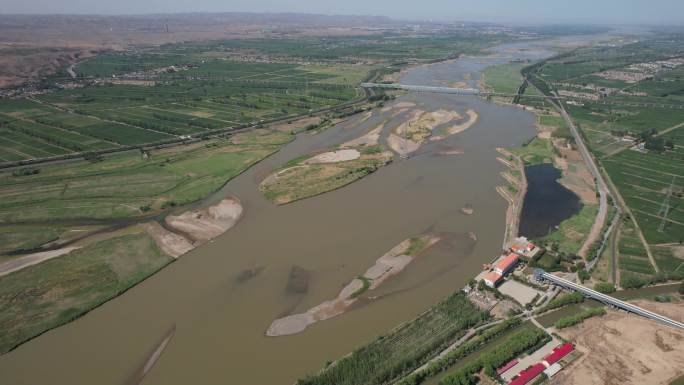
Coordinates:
<point>202,114</point>
<point>622,348</point>
<point>33,259</point>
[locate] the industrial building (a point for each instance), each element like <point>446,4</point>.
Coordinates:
<point>548,366</point>
<point>502,267</point>
<point>507,264</point>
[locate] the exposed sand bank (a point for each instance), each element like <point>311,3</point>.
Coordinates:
<point>204,224</point>
<point>33,259</point>
<point>472,119</point>
<point>390,264</point>
<point>194,227</point>
<point>172,244</point>
<point>371,138</point>
<point>334,156</point>
<point>409,136</point>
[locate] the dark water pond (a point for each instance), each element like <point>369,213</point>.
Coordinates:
<point>547,202</point>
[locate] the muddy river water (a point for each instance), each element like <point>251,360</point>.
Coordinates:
<point>223,296</point>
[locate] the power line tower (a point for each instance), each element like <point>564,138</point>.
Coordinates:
<point>665,206</point>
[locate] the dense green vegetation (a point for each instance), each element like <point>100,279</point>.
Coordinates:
<point>536,151</point>
<point>484,339</point>
<point>120,186</point>
<point>385,47</point>
<point>562,301</point>
<point>520,342</point>
<point>405,348</point>
<point>604,287</point>
<point>579,317</point>
<point>59,290</point>
<point>570,234</point>
<point>503,78</point>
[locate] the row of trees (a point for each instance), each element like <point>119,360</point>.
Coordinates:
<point>404,349</point>
<point>490,361</point>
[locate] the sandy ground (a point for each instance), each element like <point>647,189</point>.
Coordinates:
<point>334,156</point>
<point>369,139</point>
<point>400,145</point>
<point>411,134</point>
<point>33,259</point>
<point>391,263</point>
<point>205,224</point>
<point>472,119</point>
<point>172,244</point>
<point>622,348</point>
<point>456,151</point>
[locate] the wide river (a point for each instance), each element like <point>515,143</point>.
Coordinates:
<point>220,319</point>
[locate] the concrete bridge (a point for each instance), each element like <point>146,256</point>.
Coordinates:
<point>541,276</point>
<point>443,90</point>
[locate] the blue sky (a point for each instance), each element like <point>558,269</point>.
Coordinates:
<point>588,11</point>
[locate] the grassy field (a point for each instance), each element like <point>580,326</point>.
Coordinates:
<point>390,356</point>
<point>217,94</point>
<point>129,186</point>
<point>503,78</point>
<point>299,179</point>
<point>59,290</point>
<point>536,151</point>
<point>571,233</point>
<point>643,181</point>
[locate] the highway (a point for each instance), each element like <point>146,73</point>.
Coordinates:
<point>541,275</point>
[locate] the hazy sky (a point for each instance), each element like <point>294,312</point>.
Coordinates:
<point>589,11</point>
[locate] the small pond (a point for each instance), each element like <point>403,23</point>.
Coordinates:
<point>547,202</point>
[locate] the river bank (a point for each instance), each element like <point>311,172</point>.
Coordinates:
<point>323,236</point>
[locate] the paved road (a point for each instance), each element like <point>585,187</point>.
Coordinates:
<point>601,185</point>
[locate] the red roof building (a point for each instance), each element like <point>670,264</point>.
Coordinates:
<point>530,247</point>
<point>507,264</point>
<point>557,354</point>
<point>528,374</point>
<point>516,248</point>
<point>492,278</point>
<point>505,368</point>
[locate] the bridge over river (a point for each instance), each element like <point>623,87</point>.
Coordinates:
<point>445,90</point>
<point>541,275</point>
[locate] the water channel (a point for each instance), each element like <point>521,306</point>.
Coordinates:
<point>220,313</point>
